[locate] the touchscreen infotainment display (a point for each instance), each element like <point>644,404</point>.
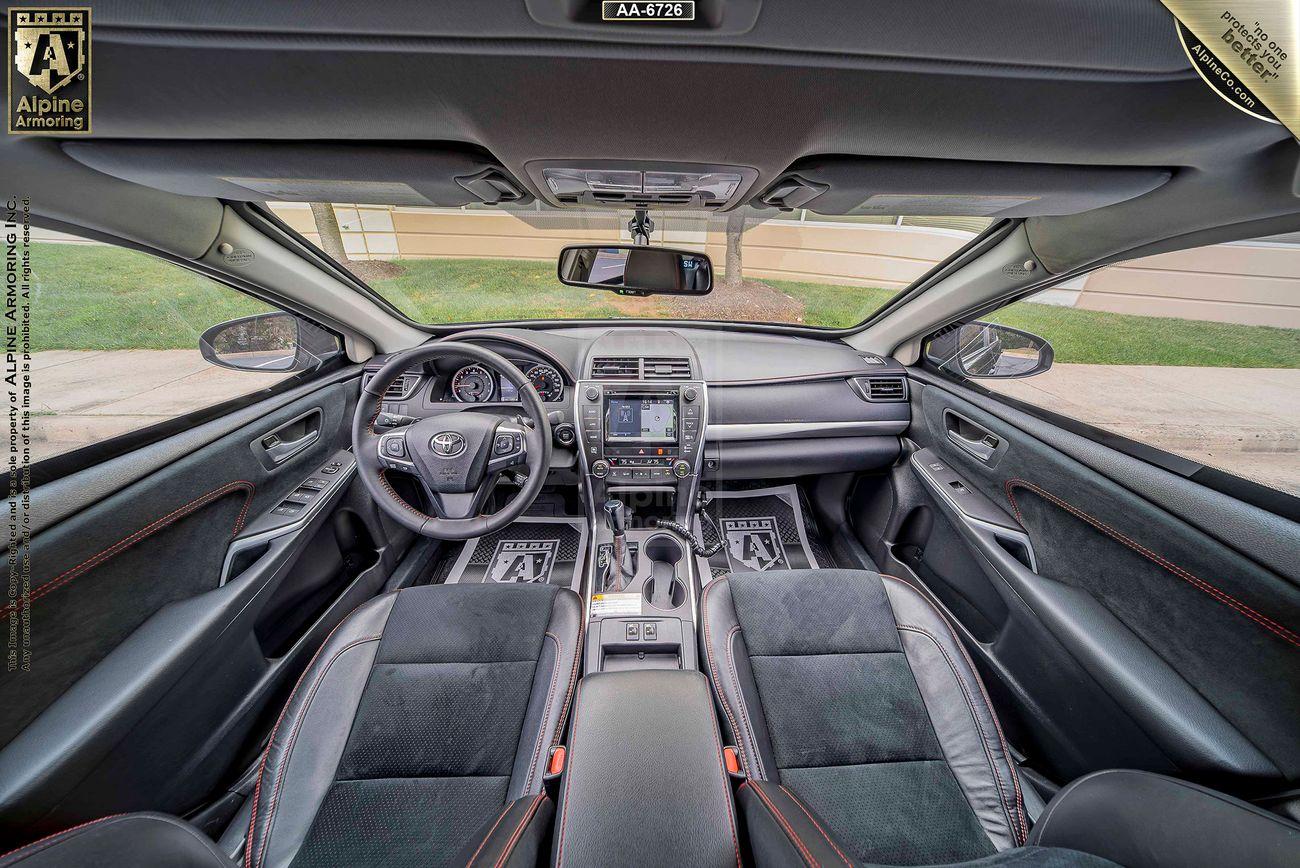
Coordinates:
<point>641,419</point>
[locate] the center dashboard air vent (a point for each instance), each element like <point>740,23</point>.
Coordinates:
<point>881,390</point>
<point>666,369</point>
<point>615,368</point>
<point>634,368</point>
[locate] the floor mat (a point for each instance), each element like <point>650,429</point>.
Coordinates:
<point>531,549</point>
<point>763,529</point>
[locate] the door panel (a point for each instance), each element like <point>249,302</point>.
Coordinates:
<point>155,653</point>
<point>1191,637</point>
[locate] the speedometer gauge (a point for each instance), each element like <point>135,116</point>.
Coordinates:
<point>546,380</point>
<point>473,384</point>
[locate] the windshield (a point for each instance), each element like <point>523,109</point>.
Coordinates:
<point>486,264</point>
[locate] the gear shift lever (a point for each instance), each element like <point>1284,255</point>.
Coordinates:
<point>620,568</point>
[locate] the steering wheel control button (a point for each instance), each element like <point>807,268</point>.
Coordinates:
<point>600,469</point>
<point>394,447</point>
<point>504,445</point>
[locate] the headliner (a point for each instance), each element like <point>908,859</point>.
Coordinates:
<point>1070,83</point>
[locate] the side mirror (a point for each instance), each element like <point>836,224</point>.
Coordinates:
<point>988,350</point>
<point>267,342</point>
<point>632,270</point>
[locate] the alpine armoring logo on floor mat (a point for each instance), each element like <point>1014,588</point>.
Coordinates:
<point>523,560</point>
<point>753,542</point>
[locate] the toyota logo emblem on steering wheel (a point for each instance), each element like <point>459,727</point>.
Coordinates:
<point>447,444</point>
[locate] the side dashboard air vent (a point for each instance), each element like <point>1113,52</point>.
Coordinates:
<point>401,388</point>
<point>666,369</point>
<point>882,390</point>
<point>615,368</point>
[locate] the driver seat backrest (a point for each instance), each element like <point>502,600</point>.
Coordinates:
<point>420,732</point>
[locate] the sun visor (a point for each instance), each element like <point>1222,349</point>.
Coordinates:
<point>955,188</point>
<point>291,172</point>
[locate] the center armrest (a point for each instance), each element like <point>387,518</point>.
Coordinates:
<point>645,781</point>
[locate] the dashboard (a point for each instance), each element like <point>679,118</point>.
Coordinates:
<point>475,384</point>
<point>665,407</point>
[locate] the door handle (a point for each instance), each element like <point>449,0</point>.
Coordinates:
<point>969,437</point>
<point>282,443</point>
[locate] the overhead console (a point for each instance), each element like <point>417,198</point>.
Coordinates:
<point>361,172</point>
<point>966,188</point>
<point>640,184</point>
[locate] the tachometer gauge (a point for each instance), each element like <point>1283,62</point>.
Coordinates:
<point>473,384</point>
<point>547,381</point>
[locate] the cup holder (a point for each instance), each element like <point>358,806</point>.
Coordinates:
<point>663,589</point>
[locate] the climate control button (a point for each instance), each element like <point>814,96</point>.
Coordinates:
<point>681,469</point>
<point>600,469</point>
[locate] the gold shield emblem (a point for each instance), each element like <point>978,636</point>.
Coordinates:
<point>50,47</point>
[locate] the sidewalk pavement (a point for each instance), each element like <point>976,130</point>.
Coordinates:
<point>1245,421</point>
<point>81,397</point>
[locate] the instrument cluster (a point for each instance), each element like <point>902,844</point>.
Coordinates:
<point>476,384</point>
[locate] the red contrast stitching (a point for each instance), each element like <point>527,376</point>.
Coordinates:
<point>257,790</point>
<point>717,682</point>
<point>785,824</point>
<point>143,533</point>
<point>395,496</point>
<point>742,707</point>
<point>970,703</point>
<point>573,679</point>
<point>1019,806</point>
<point>274,798</point>
<point>519,831</point>
<point>724,779</point>
<point>488,837</point>
<point>799,805</point>
<point>546,713</point>
<point>69,831</point>
<point>568,779</point>
<point>1200,584</point>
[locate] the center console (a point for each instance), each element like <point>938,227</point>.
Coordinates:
<point>641,420</point>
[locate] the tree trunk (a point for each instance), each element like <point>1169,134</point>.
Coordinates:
<point>735,226</point>
<point>331,240</point>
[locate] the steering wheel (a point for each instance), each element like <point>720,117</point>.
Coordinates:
<point>456,457</point>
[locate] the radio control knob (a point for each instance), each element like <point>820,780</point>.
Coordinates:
<point>681,469</point>
<point>689,394</point>
<point>600,469</point>
<point>592,393</point>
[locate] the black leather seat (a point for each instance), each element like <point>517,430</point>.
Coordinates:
<point>418,735</point>
<point>866,736</point>
<point>421,729</point>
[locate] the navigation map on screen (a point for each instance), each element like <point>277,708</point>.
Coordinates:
<point>645,420</point>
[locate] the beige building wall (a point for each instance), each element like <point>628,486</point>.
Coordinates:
<point>1250,283</point>
<point>1255,283</point>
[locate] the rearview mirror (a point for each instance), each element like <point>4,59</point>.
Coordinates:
<point>988,350</point>
<point>267,342</point>
<point>633,270</point>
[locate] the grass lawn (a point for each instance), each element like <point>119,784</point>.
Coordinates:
<point>95,297</point>
<point>92,297</point>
